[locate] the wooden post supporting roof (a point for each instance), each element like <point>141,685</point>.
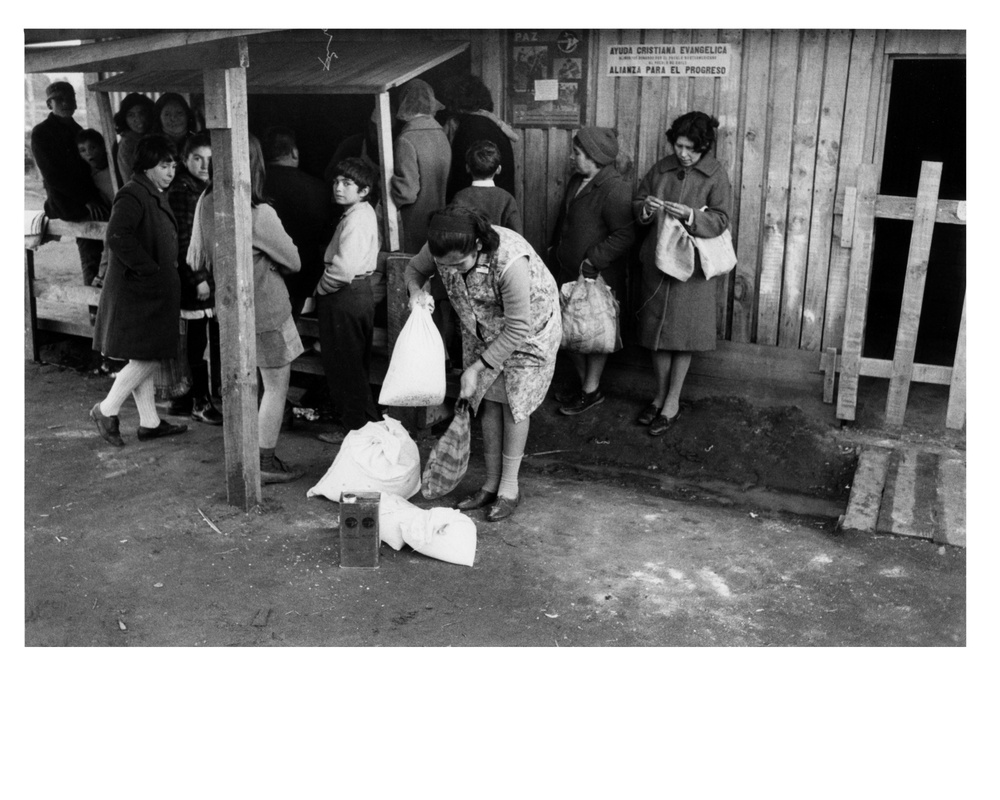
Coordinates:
<point>226,118</point>
<point>383,117</point>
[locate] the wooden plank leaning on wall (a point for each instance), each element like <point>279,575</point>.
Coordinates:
<point>852,146</point>
<point>913,292</point>
<point>857,295</point>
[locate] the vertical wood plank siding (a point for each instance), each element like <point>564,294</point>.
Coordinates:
<point>799,112</point>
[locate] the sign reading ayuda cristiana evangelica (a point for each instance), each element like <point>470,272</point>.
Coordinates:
<point>666,60</point>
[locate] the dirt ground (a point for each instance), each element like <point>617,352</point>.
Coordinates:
<point>721,532</point>
<point>646,542</point>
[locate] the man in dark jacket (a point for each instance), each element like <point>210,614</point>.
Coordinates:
<point>305,208</point>
<point>69,189</point>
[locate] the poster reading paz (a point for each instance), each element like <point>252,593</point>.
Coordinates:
<point>666,60</point>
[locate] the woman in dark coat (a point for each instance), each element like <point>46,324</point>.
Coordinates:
<point>676,317</point>
<point>138,315</point>
<point>471,106</point>
<point>593,235</point>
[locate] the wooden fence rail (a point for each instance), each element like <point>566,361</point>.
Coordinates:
<point>861,207</point>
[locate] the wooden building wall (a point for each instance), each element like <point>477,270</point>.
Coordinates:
<point>799,112</point>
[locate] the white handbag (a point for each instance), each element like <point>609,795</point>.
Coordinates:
<point>717,254</point>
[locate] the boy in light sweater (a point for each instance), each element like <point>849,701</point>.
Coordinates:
<point>345,306</point>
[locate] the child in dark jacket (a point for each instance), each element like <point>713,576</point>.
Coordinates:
<point>482,162</point>
<point>197,286</point>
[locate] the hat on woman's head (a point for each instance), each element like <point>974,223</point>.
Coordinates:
<point>417,98</point>
<point>601,144</point>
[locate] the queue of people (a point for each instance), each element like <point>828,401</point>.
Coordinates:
<point>458,218</point>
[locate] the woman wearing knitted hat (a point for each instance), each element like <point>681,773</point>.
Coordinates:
<point>592,236</point>
<point>508,305</point>
<point>677,318</point>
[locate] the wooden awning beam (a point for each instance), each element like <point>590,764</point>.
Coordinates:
<point>156,51</point>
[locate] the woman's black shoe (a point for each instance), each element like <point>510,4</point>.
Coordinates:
<point>502,508</point>
<point>662,424</point>
<point>163,429</point>
<point>477,499</point>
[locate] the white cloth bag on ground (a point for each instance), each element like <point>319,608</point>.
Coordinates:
<point>380,457</point>
<point>442,533</point>
<point>416,370</point>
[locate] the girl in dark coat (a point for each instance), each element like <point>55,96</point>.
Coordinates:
<point>593,235</point>
<point>676,317</point>
<point>137,318</point>
<point>197,286</point>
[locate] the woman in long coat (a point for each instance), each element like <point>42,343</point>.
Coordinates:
<point>677,318</point>
<point>138,318</point>
<point>592,237</point>
<point>508,305</point>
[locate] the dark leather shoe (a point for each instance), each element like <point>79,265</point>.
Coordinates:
<point>648,414</point>
<point>502,508</point>
<point>204,411</point>
<point>163,429</point>
<point>583,402</point>
<point>280,472</point>
<point>107,426</point>
<point>477,499</point>
<point>662,424</point>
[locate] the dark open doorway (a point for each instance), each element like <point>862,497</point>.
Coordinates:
<point>926,122</point>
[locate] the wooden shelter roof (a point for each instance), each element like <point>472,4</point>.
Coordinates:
<point>295,68</point>
<point>277,62</point>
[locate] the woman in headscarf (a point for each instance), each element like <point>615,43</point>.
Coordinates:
<point>422,158</point>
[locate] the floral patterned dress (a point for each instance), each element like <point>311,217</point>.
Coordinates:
<point>477,299</point>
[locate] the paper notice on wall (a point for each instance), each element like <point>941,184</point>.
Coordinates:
<point>546,90</point>
<point>668,60</point>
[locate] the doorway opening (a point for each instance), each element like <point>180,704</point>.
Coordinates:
<point>925,122</point>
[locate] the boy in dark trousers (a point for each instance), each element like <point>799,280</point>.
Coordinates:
<point>345,304</point>
<point>482,162</point>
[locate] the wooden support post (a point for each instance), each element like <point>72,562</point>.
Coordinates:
<point>107,126</point>
<point>913,292</point>
<point>390,226</point>
<point>956,397</point>
<point>859,277</point>
<point>30,308</point>
<point>226,117</point>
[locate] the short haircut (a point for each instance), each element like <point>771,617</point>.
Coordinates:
<point>442,242</point>
<point>193,142</point>
<point>153,149</point>
<point>483,159</point>
<point>91,135</point>
<point>697,126</point>
<point>362,172</point>
<point>278,142</point>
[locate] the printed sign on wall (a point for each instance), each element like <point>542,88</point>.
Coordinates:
<point>668,60</point>
<point>547,85</point>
